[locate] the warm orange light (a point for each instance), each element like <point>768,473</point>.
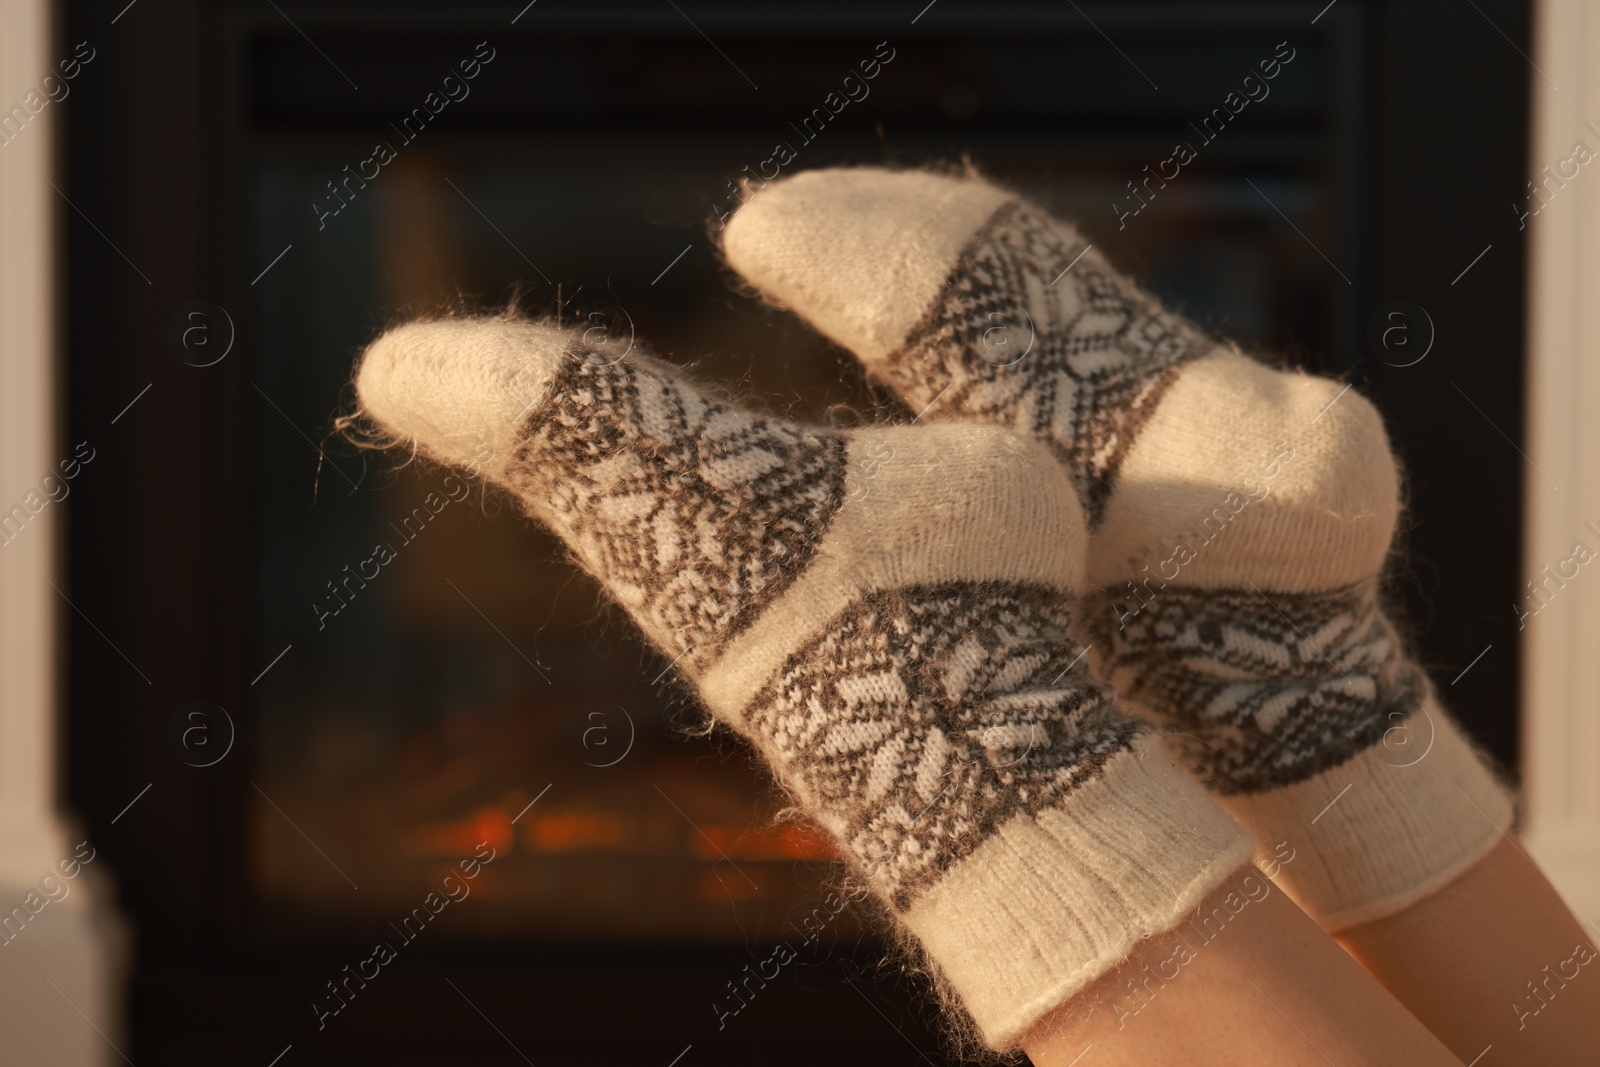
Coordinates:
<point>494,826</point>
<point>570,831</point>
<point>789,841</point>
<point>491,824</point>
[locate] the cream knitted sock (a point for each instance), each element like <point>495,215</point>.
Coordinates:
<point>1241,515</point>
<point>881,613</point>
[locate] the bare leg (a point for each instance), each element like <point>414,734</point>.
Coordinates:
<point>1493,959</point>
<point>1249,980</point>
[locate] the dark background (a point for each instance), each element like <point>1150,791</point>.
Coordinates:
<point>591,151</point>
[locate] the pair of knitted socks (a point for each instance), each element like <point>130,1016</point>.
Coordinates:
<point>903,620</point>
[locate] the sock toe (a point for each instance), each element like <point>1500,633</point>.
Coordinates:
<point>859,252</point>
<point>452,386</point>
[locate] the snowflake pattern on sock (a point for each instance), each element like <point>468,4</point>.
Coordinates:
<point>915,722</point>
<point>925,717</point>
<point>694,514</point>
<point>1037,332</point>
<point>1263,693</point>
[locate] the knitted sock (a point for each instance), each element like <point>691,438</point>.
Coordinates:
<point>1241,515</point>
<point>881,613</point>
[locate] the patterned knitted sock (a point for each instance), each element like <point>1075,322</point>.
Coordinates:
<point>1241,515</point>
<point>883,614</point>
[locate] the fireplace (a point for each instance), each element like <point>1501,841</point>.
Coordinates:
<point>400,679</point>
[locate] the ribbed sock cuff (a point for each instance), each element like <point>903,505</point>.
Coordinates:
<point>1385,829</point>
<point>1052,901</point>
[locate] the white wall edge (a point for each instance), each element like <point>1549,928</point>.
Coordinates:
<point>1561,644</point>
<point>60,973</point>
